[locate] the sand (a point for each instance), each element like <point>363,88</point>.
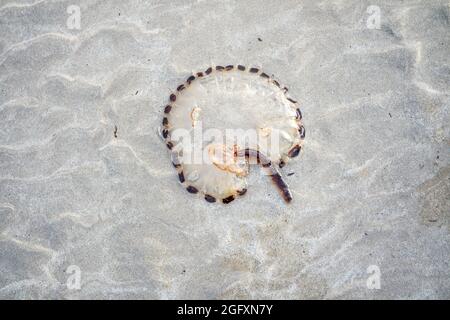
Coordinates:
<point>90,206</point>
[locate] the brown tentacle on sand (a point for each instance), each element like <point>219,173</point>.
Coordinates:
<point>272,171</point>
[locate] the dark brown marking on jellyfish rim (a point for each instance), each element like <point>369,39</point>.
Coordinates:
<point>181,177</point>
<point>173,97</point>
<point>294,151</point>
<point>264,75</point>
<point>276,83</point>
<point>165,133</point>
<point>241,67</point>
<point>254,70</point>
<point>209,198</point>
<point>192,189</point>
<point>169,145</point>
<point>228,199</point>
<point>199,74</point>
<point>175,161</point>
<point>242,192</point>
<point>266,165</point>
<point>167,108</point>
<point>219,68</point>
<point>190,79</point>
<point>165,121</point>
<point>281,164</point>
<point>282,187</point>
<point>181,87</point>
<point>302,132</point>
<point>285,89</point>
<point>299,114</point>
<point>115,131</point>
<point>208,71</point>
<point>229,67</point>
<point>291,100</point>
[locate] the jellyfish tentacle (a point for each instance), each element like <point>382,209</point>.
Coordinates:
<point>272,171</point>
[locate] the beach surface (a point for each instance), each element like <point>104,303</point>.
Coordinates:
<point>91,207</point>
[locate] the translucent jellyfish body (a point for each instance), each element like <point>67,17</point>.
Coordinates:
<point>221,120</point>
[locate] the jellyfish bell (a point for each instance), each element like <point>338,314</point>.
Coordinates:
<point>231,117</point>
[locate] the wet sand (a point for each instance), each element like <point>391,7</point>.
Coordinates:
<point>86,184</point>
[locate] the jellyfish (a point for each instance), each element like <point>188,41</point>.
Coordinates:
<point>224,119</point>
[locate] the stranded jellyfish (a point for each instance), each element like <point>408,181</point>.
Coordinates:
<point>225,118</point>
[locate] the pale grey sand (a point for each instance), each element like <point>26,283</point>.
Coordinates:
<point>371,189</point>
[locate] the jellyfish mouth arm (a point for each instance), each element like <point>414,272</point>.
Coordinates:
<point>270,169</point>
